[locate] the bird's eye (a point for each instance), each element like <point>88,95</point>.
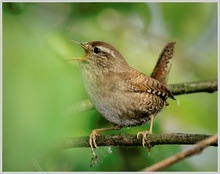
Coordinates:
<point>97,50</point>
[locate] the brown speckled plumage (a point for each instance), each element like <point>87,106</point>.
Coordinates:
<point>125,97</point>
<point>122,94</point>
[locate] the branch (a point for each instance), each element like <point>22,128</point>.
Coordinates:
<point>194,87</point>
<point>179,156</point>
<point>131,140</point>
<point>176,89</point>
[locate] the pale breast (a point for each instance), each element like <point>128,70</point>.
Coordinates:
<point>129,108</point>
<point>125,100</point>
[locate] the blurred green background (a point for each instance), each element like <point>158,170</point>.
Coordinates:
<point>40,87</point>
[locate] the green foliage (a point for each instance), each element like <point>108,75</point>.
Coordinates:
<point>40,87</point>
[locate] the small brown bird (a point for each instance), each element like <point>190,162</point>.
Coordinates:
<point>120,93</point>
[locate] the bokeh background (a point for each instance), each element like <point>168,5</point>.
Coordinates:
<point>40,88</point>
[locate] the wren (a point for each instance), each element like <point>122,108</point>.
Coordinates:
<point>123,95</point>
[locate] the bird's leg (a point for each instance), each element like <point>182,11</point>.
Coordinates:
<point>144,133</point>
<point>94,133</point>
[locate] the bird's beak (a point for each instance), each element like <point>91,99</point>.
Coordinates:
<point>83,45</point>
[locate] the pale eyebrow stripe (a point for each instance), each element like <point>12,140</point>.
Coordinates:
<point>107,50</point>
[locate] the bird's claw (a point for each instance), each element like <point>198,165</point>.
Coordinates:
<point>144,138</point>
<point>92,141</point>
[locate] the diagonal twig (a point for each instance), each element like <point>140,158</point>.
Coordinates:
<point>179,156</point>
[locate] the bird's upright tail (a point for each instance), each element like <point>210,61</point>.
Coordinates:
<point>164,63</point>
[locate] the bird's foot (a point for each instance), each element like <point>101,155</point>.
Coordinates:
<point>92,140</point>
<point>92,137</point>
<point>144,138</point>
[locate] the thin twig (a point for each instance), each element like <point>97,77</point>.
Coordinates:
<point>131,140</point>
<point>179,156</point>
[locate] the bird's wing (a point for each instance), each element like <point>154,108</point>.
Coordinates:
<point>138,82</point>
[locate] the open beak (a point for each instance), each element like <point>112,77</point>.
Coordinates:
<point>85,48</point>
